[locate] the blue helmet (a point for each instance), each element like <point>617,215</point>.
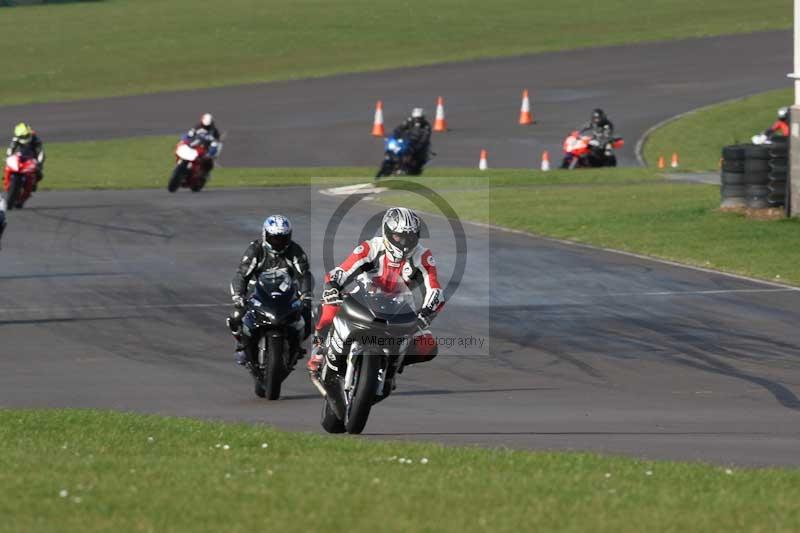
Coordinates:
<point>277,232</point>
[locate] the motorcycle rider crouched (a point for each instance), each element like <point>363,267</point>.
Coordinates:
<point>275,250</point>
<point>26,142</point>
<point>395,255</point>
<point>416,131</point>
<point>206,132</point>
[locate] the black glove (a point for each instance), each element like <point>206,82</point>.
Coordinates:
<point>424,319</point>
<point>331,296</point>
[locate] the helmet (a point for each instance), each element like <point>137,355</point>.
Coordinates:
<point>277,233</point>
<point>598,117</point>
<point>207,120</point>
<point>783,113</point>
<point>23,133</point>
<point>417,112</point>
<point>401,228</point>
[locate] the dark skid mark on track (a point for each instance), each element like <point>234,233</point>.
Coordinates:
<point>62,275</point>
<point>41,321</point>
<point>108,227</point>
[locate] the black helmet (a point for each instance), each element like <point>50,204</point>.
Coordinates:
<point>598,117</point>
<point>401,227</point>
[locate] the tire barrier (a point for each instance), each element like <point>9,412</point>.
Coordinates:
<point>754,176</point>
<point>733,191</point>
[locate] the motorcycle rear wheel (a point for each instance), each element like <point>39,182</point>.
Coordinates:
<point>367,384</point>
<point>14,190</point>
<point>177,176</point>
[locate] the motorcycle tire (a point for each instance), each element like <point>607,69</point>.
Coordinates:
<point>385,169</point>
<point>612,161</point>
<point>367,384</point>
<point>259,389</point>
<point>734,152</point>
<point>274,371</point>
<point>330,422</point>
<point>176,179</point>
<point>197,187</point>
<point>14,190</point>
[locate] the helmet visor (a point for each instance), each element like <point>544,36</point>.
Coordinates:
<point>404,241</point>
<point>278,242</point>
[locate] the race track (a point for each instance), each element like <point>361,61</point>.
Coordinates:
<point>326,121</point>
<point>118,299</point>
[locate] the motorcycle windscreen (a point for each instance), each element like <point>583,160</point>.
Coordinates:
<point>388,301</point>
<point>276,295</point>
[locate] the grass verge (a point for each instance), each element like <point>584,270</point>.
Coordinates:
<point>699,137</point>
<point>115,47</point>
<point>674,221</point>
<point>70,470</point>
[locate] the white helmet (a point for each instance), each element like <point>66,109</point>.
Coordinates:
<point>783,113</point>
<point>417,112</point>
<point>207,120</point>
<point>401,227</point>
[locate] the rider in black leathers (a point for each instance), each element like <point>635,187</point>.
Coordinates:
<point>275,249</point>
<point>416,130</point>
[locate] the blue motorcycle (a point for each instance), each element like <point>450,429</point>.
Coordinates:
<point>400,159</point>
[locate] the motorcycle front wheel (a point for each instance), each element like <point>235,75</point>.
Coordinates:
<point>361,404</point>
<point>274,366</point>
<point>177,176</point>
<point>14,190</point>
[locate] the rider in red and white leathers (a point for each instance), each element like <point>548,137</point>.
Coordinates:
<point>394,256</point>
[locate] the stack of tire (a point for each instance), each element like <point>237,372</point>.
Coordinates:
<point>733,165</point>
<point>756,175</point>
<point>778,171</point>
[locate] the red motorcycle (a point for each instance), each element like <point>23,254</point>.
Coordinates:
<point>195,159</point>
<point>20,175</point>
<point>587,151</point>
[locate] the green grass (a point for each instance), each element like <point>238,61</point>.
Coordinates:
<point>146,162</point>
<point>116,47</point>
<point>125,472</point>
<point>673,221</point>
<point>700,136</point>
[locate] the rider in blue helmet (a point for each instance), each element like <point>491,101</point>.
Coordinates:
<point>275,249</point>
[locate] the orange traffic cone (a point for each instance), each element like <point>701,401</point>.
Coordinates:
<point>661,161</point>
<point>377,124</point>
<point>440,124</point>
<point>483,164</point>
<point>525,115</point>
<point>545,161</point>
<point>674,163</point>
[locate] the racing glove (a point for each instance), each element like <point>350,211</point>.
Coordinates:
<point>331,296</point>
<point>238,301</point>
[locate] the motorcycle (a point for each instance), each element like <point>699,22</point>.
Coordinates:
<point>20,175</point>
<point>585,150</point>
<point>376,326</point>
<point>399,160</point>
<point>195,159</point>
<point>272,329</point>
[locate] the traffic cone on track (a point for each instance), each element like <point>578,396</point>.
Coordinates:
<point>661,164</point>
<point>545,161</point>
<point>440,124</point>
<point>525,115</point>
<point>674,163</point>
<point>483,164</point>
<point>377,124</point>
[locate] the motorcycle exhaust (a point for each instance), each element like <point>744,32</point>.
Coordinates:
<point>318,384</point>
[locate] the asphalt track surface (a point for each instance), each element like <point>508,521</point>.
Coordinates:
<point>117,300</point>
<point>326,122</point>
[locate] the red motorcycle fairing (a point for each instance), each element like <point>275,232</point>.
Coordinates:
<point>198,163</point>
<point>24,168</point>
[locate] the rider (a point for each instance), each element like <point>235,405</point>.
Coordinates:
<point>780,128</point>
<point>275,249</point>
<point>416,130</point>
<point>206,132</point>
<point>599,125</point>
<point>29,144</point>
<point>395,254</point>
